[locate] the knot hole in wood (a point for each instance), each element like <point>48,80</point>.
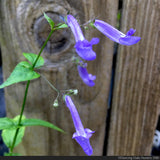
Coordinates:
<point>59,40</point>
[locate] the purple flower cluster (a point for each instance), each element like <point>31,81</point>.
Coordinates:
<point>84,50</point>
<point>84,47</point>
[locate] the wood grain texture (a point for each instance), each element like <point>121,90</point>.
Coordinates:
<point>22,29</point>
<point>137,82</point>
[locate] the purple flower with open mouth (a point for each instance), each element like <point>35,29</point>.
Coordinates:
<point>81,135</point>
<point>116,35</point>
<point>82,46</point>
<point>88,79</point>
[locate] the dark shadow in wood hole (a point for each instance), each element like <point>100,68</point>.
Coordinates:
<point>60,38</point>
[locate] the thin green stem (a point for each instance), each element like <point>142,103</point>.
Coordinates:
<point>26,92</point>
<point>52,86</point>
<point>50,34</point>
<point>21,114</point>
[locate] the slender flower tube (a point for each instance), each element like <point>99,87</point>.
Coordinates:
<point>115,35</point>
<point>88,79</point>
<point>82,46</point>
<point>81,135</point>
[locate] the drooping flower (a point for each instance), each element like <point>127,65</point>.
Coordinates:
<point>115,35</point>
<point>81,135</point>
<point>88,79</point>
<point>82,46</point>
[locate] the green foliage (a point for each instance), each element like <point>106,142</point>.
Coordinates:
<point>12,154</point>
<point>61,26</point>
<point>52,24</point>
<point>8,134</point>
<point>92,25</point>
<point>22,72</point>
<point>50,21</point>
<point>6,123</point>
<point>31,57</point>
<point>9,127</point>
<point>39,122</point>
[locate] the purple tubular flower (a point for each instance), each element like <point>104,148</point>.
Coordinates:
<point>83,47</point>
<point>81,135</point>
<point>88,79</point>
<point>116,35</point>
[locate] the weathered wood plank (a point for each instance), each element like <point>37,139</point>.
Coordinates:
<point>137,82</point>
<point>23,29</point>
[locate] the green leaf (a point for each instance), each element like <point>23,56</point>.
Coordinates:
<point>6,123</point>
<point>12,154</point>
<point>16,119</point>
<point>92,25</point>
<point>50,21</point>
<point>31,57</point>
<point>61,25</point>
<point>22,72</point>
<point>39,122</point>
<point>8,134</point>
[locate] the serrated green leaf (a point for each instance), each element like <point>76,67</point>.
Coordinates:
<point>50,21</point>
<point>6,123</point>
<point>31,57</point>
<point>22,72</point>
<point>39,122</point>
<point>8,134</point>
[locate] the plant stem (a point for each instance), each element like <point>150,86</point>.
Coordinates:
<point>20,118</point>
<point>52,86</point>
<point>26,92</point>
<point>50,34</point>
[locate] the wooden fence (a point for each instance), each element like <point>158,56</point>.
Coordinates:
<point>135,100</point>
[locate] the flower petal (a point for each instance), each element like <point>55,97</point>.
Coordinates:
<point>116,35</point>
<point>81,135</point>
<point>73,24</point>
<point>75,116</point>
<point>84,143</point>
<point>83,47</point>
<point>87,78</point>
<point>131,32</point>
<point>94,41</point>
<point>84,50</point>
<point>129,40</point>
<point>108,30</point>
<point>89,132</point>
